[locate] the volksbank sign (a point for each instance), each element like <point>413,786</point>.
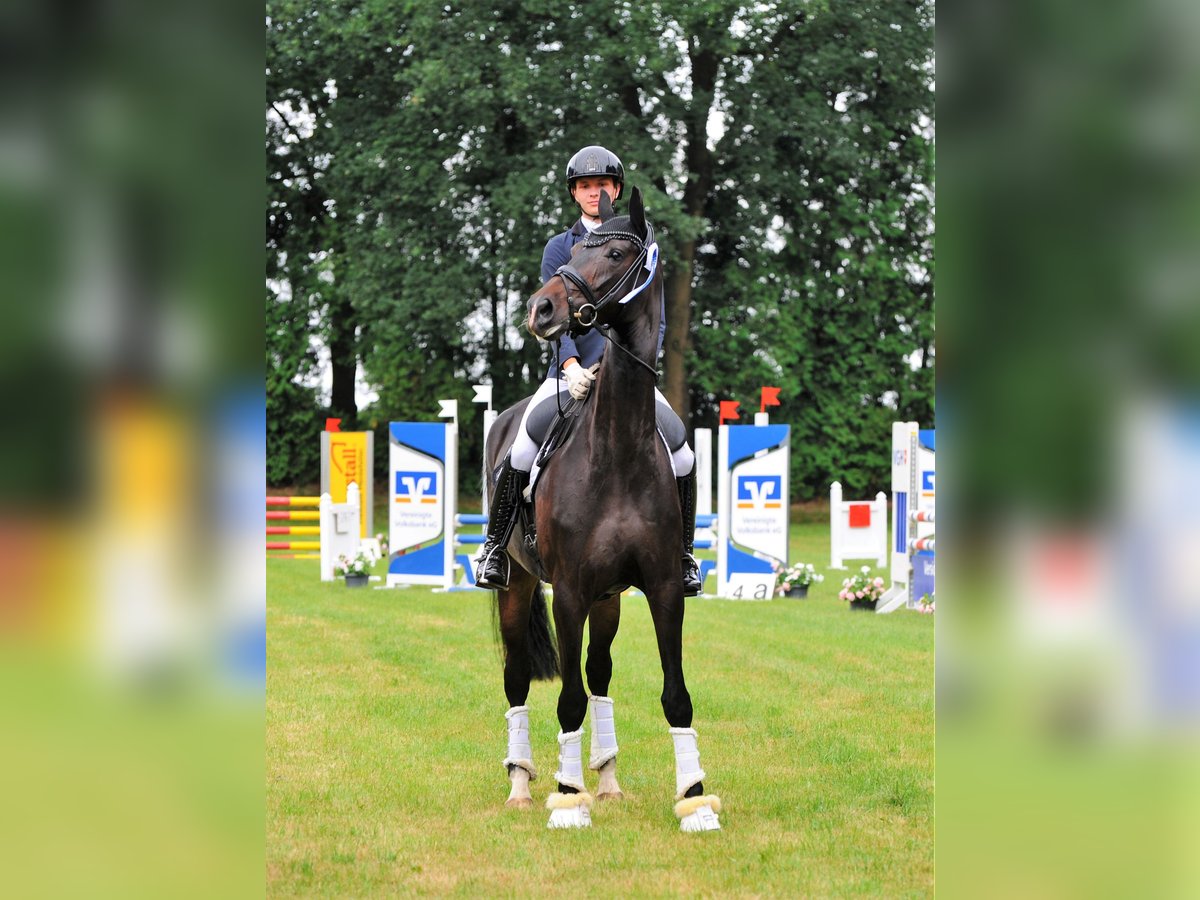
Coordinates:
<point>753,486</point>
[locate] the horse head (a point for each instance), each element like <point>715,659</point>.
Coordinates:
<point>608,268</point>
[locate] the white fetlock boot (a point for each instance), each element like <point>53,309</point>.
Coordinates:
<point>694,813</point>
<point>604,748</point>
<point>570,810</point>
<point>519,762</point>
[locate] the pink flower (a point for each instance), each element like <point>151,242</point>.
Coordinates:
<point>878,582</point>
<point>858,594</point>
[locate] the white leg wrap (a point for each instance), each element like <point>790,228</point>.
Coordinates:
<point>687,760</point>
<point>520,753</point>
<point>570,759</point>
<point>604,731</point>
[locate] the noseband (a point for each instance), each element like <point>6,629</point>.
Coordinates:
<point>583,318</point>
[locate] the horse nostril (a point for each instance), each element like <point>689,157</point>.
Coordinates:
<point>544,308</point>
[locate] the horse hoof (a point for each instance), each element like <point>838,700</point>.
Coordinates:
<point>569,810</point>
<point>519,803</point>
<point>699,813</point>
<point>610,795</point>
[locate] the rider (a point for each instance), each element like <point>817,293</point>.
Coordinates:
<point>590,171</point>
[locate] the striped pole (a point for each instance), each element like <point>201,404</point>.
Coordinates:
<point>296,512</point>
<point>298,516</point>
<point>293,545</point>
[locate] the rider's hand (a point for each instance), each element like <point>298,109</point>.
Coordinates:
<point>579,380</point>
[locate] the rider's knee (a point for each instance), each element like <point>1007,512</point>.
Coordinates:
<point>683,459</point>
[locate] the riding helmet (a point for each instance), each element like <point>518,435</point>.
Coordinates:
<point>593,162</point>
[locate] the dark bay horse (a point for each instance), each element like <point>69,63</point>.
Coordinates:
<point>607,517</point>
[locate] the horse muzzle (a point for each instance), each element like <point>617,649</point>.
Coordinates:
<point>545,319</point>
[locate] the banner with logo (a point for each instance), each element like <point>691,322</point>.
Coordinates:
<point>349,456</point>
<point>421,501</point>
<point>753,487</point>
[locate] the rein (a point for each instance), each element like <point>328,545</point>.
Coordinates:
<point>583,318</point>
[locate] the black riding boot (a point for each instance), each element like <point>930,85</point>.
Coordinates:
<point>492,571</point>
<point>687,506</point>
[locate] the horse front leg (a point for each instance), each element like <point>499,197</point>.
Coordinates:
<point>514,610</point>
<point>570,805</point>
<point>695,810</point>
<point>603,621</point>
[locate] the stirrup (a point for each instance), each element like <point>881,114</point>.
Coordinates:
<point>496,581</point>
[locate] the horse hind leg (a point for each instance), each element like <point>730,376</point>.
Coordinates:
<point>603,620</point>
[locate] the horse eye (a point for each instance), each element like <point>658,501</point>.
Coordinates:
<point>615,255</point>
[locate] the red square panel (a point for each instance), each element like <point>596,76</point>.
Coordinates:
<point>860,515</point>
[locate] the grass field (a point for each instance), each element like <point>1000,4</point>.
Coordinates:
<point>385,731</point>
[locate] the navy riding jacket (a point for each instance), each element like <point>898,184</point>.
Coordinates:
<point>589,347</point>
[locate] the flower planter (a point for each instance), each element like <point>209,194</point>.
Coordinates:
<point>797,591</point>
<point>868,605</point>
<point>357,580</point>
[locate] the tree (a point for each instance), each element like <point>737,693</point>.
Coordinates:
<point>796,241</point>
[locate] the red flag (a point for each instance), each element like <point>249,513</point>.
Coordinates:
<point>333,425</point>
<point>770,397</point>
<point>729,410</point>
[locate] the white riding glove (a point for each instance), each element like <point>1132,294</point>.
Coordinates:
<point>579,380</point>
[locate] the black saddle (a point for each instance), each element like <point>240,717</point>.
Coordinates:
<point>541,423</point>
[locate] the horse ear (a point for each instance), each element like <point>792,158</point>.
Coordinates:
<point>606,207</point>
<point>637,213</point>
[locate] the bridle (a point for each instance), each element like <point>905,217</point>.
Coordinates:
<point>583,318</point>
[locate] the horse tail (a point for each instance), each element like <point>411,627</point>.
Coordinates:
<point>543,651</point>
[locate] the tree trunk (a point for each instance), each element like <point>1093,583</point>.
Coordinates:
<point>343,363</point>
<point>705,64</point>
<point>678,289</point>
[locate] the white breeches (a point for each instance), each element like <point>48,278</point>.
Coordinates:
<point>524,449</point>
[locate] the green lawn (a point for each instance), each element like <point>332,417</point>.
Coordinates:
<point>385,731</point>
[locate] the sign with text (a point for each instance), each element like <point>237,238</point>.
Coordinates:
<point>421,501</point>
<point>348,457</point>
<point>753,487</point>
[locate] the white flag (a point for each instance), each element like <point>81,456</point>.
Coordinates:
<point>483,394</point>
<point>448,410</point>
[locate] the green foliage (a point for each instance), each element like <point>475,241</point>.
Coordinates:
<point>421,174</point>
